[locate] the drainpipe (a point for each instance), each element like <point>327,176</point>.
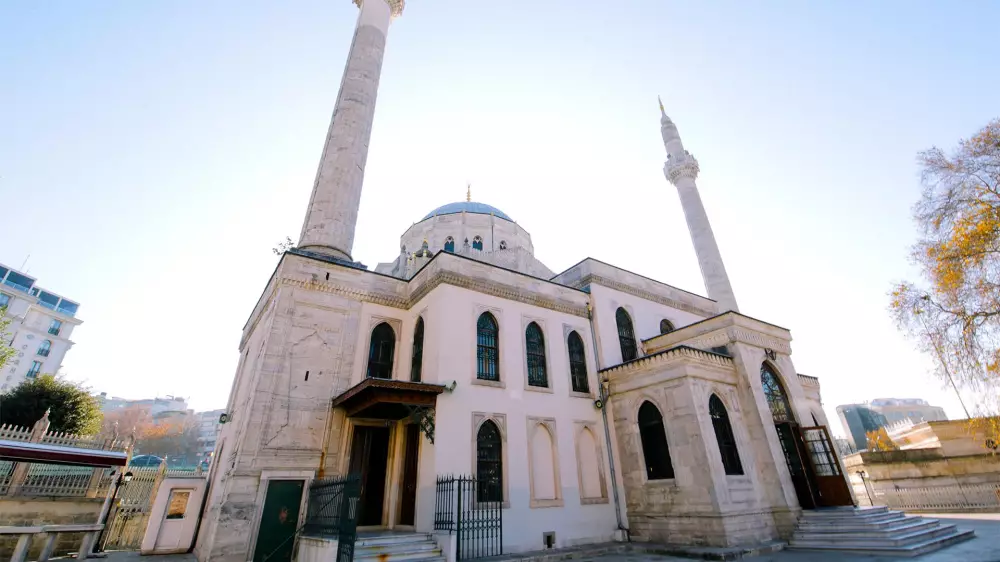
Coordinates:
<point>604,395</point>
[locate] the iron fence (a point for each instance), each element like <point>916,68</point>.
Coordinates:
<point>327,509</point>
<point>472,508</point>
<point>963,497</point>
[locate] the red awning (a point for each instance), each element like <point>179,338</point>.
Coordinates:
<point>56,454</point>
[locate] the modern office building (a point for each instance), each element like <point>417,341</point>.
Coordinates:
<point>41,324</point>
<point>913,409</point>
<point>858,420</point>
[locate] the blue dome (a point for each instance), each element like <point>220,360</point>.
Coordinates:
<point>468,207</point>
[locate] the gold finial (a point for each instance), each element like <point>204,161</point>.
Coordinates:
<point>662,111</point>
<point>468,192</point>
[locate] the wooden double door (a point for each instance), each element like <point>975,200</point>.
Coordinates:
<point>370,460</point>
<point>813,465</point>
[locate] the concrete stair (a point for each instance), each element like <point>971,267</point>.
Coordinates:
<point>397,547</point>
<point>873,530</point>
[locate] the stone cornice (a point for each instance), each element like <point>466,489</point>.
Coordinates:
<point>681,167</point>
<point>635,291</point>
<point>356,294</point>
<point>395,5</point>
<point>674,353</point>
<point>495,289</point>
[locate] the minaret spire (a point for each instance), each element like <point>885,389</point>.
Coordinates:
<point>333,208</point>
<point>681,169</point>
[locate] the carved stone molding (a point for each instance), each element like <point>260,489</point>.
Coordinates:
<point>395,5</point>
<point>497,290</point>
<point>351,293</point>
<point>760,340</point>
<point>681,167</point>
<point>673,354</point>
<point>635,291</point>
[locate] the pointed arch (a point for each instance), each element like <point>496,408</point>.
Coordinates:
<point>666,326</point>
<point>655,451</point>
<point>449,244</point>
<point>380,351</point>
<point>417,358</point>
<point>626,335</point>
<point>487,348</point>
<point>534,345</point>
<point>544,481</point>
<point>724,436</point>
<point>590,469</point>
<point>477,243</point>
<point>489,462</point>
<point>577,363</point>
<point>774,391</point>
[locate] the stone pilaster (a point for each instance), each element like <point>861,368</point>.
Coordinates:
<point>333,208</point>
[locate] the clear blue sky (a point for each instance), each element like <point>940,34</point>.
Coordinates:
<point>152,153</point>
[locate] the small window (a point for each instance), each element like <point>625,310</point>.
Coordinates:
<point>477,243</point>
<point>489,463</point>
<point>4,299</point>
<point>655,450</point>
<point>55,327</point>
<point>487,348</point>
<point>666,326</point>
<point>418,351</point>
<point>177,504</point>
<point>44,349</point>
<point>380,352</point>
<point>724,435</point>
<point>535,346</point>
<point>626,336</point>
<point>503,244</point>
<point>449,244</point>
<point>67,307</point>
<point>36,368</point>
<point>577,363</point>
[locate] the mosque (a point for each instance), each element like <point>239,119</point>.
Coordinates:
<point>590,405</point>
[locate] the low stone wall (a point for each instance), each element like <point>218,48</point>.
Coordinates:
<point>26,512</point>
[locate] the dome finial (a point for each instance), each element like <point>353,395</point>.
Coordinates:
<point>468,192</point>
<point>663,112</point>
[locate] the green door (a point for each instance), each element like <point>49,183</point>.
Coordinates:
<point>278,521</point>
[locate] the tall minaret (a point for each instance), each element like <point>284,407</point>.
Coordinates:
<point>333,207</point>
<point>681,169</point>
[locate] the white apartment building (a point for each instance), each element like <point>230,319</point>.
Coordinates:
<point>208,431</point>
<point>41,325</point>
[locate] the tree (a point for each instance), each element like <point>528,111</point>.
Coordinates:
<point>71,407</point>
<point>6,351</point>
<point>170,438</point>
<point>283,246</point>
<point>954,314</point>
<point>879,440</point>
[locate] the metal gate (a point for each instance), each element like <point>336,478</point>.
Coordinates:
<point>127,521</point>
<point>472,508</point>
<point>333,511</point>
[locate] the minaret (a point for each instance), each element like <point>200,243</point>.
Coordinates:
<point>333,207</point>
<point>682,169</point>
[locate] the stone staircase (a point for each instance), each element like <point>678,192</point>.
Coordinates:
<point>397,547</point>
<point>872,530</point>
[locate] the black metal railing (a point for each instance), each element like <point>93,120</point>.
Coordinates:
<point>326,512</point>
<point>472,508</point>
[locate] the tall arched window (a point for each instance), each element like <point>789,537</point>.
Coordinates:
<point>44,349</point>
<point>417,362</point>
<point>577,363</point>
<point>654,443</point>
<point>626,337</point>
<point>487,348</point>
<point>535,345</point>
<point>775,394</point>
<point>449,244</point>
<point>489,463</point>
<point>666,327</point>
<point>724,435</point>
<point>380,352</point>
<point>477,243</point>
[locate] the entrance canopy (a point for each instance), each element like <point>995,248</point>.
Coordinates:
<point>387,399</point>
<point>57,454</point>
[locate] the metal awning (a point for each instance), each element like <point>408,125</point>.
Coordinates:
<point>387,399</point>
<point>57,454</point>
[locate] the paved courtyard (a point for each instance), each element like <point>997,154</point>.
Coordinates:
<point>984,548</point>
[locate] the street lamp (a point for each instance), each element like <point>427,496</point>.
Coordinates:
<point>862,474</point>
<point>122,479</point>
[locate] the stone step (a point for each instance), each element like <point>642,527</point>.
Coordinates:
<point>394,548</point>
<point>893,541</point>
<point>915,549</point>
<point>848,511</point>
<point>866,518</point>
<point>391,538</point>
<point>873,529</point>
<point>434,555</point>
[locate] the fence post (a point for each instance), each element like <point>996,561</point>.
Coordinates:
<point>20,473</point>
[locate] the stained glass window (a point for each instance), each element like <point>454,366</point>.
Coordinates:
<point>775,394</point>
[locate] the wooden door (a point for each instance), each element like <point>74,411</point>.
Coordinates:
<point>831,484</point>
<point>792,447</point>
<point>278,521</point>
<point>408,500</point>
<point>369,456</point>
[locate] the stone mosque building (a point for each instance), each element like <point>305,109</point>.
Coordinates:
<point>602,404</point>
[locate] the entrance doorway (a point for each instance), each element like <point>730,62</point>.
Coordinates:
<point>793,449</point>
<point>278,521</point>
<point>369,457</point>
<point>408,491</point>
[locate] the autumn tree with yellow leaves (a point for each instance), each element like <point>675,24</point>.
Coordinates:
<point>954,312</point>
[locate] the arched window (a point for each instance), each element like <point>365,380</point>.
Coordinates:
<point>666,327</point>
<point>44,349</point>
<point>503,244</point>
<point>380,352</point>
<point>477,243</point>
<point>775,394</point>
<point>626,337</point>
<point>417,362</point>
<point>449,244</point>
<point>489,463</point>
<point>487,348</point>
<point>535,346</point>
<point>577,363</point>
<point>724,435</point>
<point>654,443</point>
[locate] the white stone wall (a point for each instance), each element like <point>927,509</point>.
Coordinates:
<point>462,226</point>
